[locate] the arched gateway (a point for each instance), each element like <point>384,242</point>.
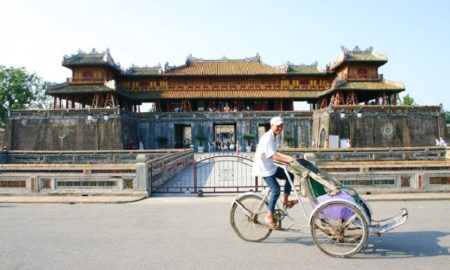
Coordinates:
<point>213,173</point>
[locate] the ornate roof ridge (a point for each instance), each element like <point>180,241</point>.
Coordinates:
<point>356,54</point>
<point>314,64</point>
<point>93,52</point>
<point>136,69</point>
<point>357,50</point>
<point>101,57</point>
<point>307,68</point>
<point>192,62</point>
<point>191,59</point>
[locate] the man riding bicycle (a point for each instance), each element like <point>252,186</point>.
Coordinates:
<point>264,166</point>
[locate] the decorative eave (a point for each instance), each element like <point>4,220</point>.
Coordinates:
<point>303,69</point>
<point>215,94</point>
<point>366,86</point>
<point>67,88</point>
<point>144,71</point>
<point>358,55</point>
<point>92,58</point>
<point>224,66</point>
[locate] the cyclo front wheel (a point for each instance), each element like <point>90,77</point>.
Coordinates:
<point>339,229</point>
<point>247,218</point>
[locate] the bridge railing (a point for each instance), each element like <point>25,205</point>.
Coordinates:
<point>372,154</point>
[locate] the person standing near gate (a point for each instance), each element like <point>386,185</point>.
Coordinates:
<point>265,156</point>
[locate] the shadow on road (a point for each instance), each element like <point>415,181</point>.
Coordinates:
<point>304,240</point>
<point>405,245</point>
<point>389,246</point>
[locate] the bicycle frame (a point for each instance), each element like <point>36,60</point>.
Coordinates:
<point>340,220</point>
<point>285,213</point>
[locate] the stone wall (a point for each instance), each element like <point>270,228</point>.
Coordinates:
<point>114,129</point>
<point>64,130</point>
<point>150,126</point>
<point>381,126</point>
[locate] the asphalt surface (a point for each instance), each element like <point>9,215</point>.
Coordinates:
<point>195,233</point>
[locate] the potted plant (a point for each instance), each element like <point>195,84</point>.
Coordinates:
<point>201,139</point>
<point>249,138</point>
<point>162,141</point>
<point>288,139</point>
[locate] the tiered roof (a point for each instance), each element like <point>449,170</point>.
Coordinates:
<point>358,55</point>
<point>143,71</point>
<point>302,69</point>
<point>79,89</point>
<point>92,58</point>
<point>367,86</point>
<point>224,66</point>
<point>252,66</point>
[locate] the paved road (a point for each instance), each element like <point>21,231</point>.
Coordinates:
<point>194,233</point>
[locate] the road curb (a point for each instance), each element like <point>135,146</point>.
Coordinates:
<point>71,200</point>
<point>183,199</point>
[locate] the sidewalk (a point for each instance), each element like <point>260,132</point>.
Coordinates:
<point>69,199</point>
<point>424,196</point>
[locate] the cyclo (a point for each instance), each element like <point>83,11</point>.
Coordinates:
<point>340,221</point>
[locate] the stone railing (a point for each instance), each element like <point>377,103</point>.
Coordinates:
<point>233,115</point>
<point>100,112</point>
<point>65,112</point>
<point>372,154</point>
<point>162,169</point>
<point>384,170</point>
<point>383,108</point>
<point>81,157</point>
<point>74,179</point>
<point>88,172</point>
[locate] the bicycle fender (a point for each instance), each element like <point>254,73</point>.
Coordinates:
<point>334,200</point>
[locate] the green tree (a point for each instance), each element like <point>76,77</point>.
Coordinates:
<point>447,117</point>
<point>201,139</point>
<point>408,100</point>
<point>249,138</point>
<point>288,139</point>
<point>20,90</point>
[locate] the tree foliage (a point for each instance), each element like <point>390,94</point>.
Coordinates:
<point>447,117</point>
<point>20,90</point>
<point>408,100</point>
<point>288,139</point>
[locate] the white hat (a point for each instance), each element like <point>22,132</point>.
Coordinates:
<point>276,121</point>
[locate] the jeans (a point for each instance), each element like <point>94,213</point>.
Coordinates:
<point>272,182</point>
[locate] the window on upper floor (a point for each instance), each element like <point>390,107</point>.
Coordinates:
<point>362,72</point>
<point>87,75</point>
<point>304,82</point>
<point>143,83</point>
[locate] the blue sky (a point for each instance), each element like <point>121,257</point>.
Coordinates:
<point>414,34</point>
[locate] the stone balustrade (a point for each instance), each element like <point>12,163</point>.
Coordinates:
<point>372,154</point>
<point>121,172</point>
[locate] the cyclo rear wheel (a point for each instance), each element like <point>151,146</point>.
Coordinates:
<point>247,218</point>
<point>339,229</point>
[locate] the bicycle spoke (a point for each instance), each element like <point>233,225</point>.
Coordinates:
<point>339,229</point>
<point>248,222</point>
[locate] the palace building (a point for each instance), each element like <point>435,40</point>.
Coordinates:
<point>222,104</point>
<point>242,84</point>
